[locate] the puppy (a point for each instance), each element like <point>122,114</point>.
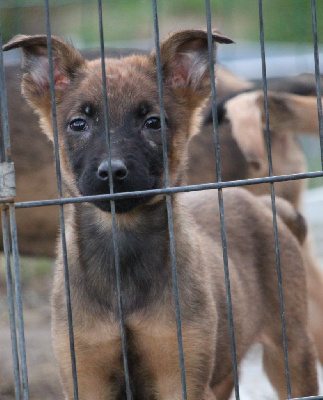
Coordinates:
<point>34,167</point>
<point>143,237</point>
<point>244,155</point>
<point>241,120</point>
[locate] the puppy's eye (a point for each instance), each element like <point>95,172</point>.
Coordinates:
<point>153,123</point>
<point>78,125</point>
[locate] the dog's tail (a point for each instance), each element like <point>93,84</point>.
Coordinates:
<point>292,218</point>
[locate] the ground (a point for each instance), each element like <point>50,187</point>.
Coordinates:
<point>42,372</point>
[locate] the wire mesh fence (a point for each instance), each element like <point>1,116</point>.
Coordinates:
<point>9,207</point>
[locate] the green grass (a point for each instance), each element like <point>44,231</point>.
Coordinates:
<point>30,268</point>
<point>284,20</point>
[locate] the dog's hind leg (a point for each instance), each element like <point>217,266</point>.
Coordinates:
<point>209,395</point>
<point>302,365</point>
<point>315,299</point>
<point>224,389</point>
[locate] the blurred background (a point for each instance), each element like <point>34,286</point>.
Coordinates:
<point>129,20</point>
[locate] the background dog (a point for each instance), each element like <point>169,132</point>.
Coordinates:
<point>136,164</point>
<point>243,139</point>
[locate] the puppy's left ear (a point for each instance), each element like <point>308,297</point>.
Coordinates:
<point>185,62</point>
<point>36,80</point>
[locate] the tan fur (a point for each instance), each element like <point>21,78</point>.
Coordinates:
<point>289,114</point>
<point>151,328</point>
<point>227,82</point>
<point>245,116</point>
<point>236,216</point>
<point>154,335</point>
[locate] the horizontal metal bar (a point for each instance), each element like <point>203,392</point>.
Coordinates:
<point>308,398</point>
<point>171,190</point>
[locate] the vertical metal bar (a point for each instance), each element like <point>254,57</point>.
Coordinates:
<point>1,139</point>
<point>113,211</point>
<point>5,153</point>
<point>317,76</point>
<point>18,293</point>
<point>280,285</point>
<point>61,209</point>
<point>169,203</point>
<point>11,302</point>
<point>220,200</point>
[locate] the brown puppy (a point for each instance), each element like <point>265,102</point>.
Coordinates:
<point>244,155</point>
<point>34,167</point>
<point>243,100</point>
<point>143,239</point>
<point>242,136</point>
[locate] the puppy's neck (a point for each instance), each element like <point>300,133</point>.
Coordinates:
<point>143,248</point>
<point>149,214</point>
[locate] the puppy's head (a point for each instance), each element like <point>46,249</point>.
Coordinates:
<point>244,116</point>
<point>133,111</point>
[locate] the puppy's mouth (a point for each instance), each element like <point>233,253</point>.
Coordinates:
<point>122,205</point>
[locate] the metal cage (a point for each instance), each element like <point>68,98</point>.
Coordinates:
<point>9,206</point>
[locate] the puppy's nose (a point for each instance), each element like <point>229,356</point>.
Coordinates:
<point>118,169</point>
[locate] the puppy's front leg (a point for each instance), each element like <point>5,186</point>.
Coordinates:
<point>99,366</point>
<point>159,346</point>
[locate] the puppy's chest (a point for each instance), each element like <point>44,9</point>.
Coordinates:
<point>139,264</point>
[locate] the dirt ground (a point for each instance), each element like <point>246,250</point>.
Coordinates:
<point>42,372</point>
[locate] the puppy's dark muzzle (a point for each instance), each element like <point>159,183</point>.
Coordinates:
<point>123,181</point>
<point>128,174</point>
<point>119,171</point>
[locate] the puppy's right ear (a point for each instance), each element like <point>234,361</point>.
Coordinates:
<point>36,80</point>
<point>185,63</point>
